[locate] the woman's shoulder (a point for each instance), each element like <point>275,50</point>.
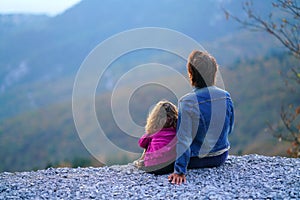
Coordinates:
<point>204,93</point>
<point>189,97</point>
<point>220,91</point>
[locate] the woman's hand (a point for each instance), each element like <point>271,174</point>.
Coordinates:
<point>177,178</point>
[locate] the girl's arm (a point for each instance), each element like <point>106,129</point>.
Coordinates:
<point>144,141</point>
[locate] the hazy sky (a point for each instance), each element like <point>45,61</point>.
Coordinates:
<point>50,7</point>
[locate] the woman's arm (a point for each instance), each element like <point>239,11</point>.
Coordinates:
<point>231,124</point>
<point>184,140</point>
<point>184,137</point>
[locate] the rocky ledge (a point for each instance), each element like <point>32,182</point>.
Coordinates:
<point>243,177</point>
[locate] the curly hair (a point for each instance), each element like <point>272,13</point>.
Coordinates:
<point>163,115</point>
<point>202,69</point>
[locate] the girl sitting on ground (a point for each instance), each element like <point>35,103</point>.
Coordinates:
<point>159,141</point>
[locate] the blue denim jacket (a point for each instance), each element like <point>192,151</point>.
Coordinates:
<point>205,118</point>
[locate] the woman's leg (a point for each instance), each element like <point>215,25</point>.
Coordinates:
<point>207,162</point>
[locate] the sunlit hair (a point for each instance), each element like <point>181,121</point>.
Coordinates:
<point>202,68</point>
<point>163,115</point>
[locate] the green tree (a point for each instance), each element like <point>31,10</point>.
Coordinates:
<point>283,23</point>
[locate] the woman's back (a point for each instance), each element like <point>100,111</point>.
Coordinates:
<point>211,114</point>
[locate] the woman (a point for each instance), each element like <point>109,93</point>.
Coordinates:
<point>205,119</point>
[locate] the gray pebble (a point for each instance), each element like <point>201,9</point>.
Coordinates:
<point>242,177</point>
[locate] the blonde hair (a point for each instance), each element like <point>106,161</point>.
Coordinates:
<point>163,115</point>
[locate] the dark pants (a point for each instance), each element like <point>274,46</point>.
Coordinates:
<point>207,162</point>
<point>195,162</point>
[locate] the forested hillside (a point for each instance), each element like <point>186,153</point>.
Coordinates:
<point>37,51</point>
<point>48,135</point>
<point>40,56</point>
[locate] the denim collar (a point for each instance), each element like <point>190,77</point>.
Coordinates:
<point>205,88</point>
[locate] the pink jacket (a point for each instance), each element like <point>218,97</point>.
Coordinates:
<point>160,146</point>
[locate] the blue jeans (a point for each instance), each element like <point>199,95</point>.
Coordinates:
<point>207,162</point>
<point>195,162</point>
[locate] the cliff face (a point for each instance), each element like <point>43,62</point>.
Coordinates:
<point>244,177</point>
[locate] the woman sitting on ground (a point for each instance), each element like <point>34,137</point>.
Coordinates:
<point>205,119</point>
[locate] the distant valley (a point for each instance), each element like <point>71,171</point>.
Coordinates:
<point>40,56</point>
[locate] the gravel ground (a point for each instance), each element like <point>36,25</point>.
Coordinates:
<point>243,177</point>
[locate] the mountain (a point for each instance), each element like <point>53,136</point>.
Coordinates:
<point>40,56</point>
<point>48,135</point>
<point>40,50</point>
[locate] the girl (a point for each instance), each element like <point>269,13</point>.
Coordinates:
<point>159,141</point>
